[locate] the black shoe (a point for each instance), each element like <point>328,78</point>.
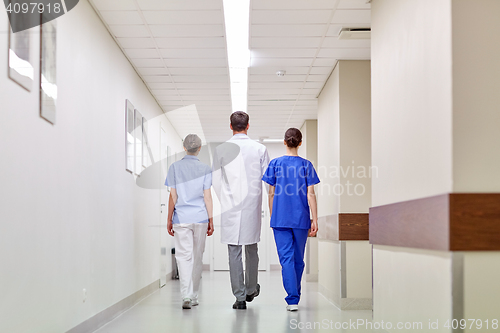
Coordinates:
<point>254,294</point>
<point>240,305</point>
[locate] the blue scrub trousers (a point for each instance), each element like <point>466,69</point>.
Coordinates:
<point>291,244</point>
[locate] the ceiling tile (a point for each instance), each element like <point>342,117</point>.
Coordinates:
<point>283,53</point>
<point>136,43</point>
<point>334,30</point>
<point>276,85</point>
<point>272,70</point>
<point>354,4</point>
<point>290,16</point>
<point>280,62</point>
<point>209,62</point>
<point>121,17</point>
<point>194,53</point>
<point>180,4</point>
<point>163,92</point>
<point>158,79</point>
<point>206,78</point>
<point>184,17</point>
<point>115,4</point>
<point>142,63</point>
<point>162,88</point>
<point>276,79</point>
<point>202,92</point>
<point>274,91</point>
<point>292,4</point>
<point>345,53</point>
<point>287,30</point>
<point>330,42</point>
<point>285,42</point>
<point>152,71</point>
<point>142,53</point>
<point>198,71</point>
<point>195,43</point>
<point>352,17</point>
<point>327,62</point>
<point>176,30</point>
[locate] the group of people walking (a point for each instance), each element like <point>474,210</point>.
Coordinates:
<point>239,167</point>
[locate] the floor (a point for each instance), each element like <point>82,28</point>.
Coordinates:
<point>161,312</point>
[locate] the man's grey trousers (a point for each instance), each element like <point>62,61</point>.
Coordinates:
<point>243,284</point>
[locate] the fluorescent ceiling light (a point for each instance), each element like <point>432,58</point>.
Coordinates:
<point>237,20</point>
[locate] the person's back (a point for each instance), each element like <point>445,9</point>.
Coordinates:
<point>189,176</point>
<point>241,188</point>
<point>291,180</point>
<point>238,167</point>
<point>190,216</point>
<point>291,176</point>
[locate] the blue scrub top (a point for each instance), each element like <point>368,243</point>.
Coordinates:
<point>291,175</point>
<point>189,177</point>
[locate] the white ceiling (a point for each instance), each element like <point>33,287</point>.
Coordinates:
<point>179,49</point>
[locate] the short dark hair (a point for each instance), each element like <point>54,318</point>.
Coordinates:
<point>293,137</point>
<point>239,120</point>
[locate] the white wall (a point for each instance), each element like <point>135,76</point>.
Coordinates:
<point>72,217</point>
<point>328,145</point>
<point>355,135</point>
<point>476,101</point>
<point>411,99</point>
<point>420,287</point>
<point>481,289</point>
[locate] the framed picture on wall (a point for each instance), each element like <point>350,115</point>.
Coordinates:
<point>48,71</point>
<point>20,57</point>
<point>138,141</point>
<point>129,137</point>
<point>146,156</point>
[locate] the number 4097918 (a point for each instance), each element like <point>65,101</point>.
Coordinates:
<point>33,7</point>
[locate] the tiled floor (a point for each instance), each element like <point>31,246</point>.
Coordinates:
<point>161,312</point>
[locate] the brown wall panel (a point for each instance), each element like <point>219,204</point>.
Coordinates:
<point>353,226</point>
<point>475,222</point>
<point>449,222</point>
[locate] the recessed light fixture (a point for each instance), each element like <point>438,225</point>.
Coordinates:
<point>281,73</point>
<point>237,19</point>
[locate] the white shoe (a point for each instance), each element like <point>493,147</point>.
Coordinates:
<point>194,302</point>
<point>186,303</point>
<point>292,307</point>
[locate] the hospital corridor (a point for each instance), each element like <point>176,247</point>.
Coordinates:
<point>249,166</point>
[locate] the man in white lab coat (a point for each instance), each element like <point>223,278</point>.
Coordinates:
<point>239,165</point>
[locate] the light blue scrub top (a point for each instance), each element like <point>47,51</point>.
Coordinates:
<point>291,175</point>
<point>189,177</point>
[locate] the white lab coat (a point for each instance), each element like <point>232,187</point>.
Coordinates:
<point>239,165</point>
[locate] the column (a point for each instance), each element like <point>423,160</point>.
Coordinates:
<point>344,195</point>
<point>435,221</point>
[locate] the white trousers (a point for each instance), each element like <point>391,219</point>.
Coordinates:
<point>189,248</point>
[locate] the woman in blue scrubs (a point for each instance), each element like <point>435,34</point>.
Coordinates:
<point>292,201</point>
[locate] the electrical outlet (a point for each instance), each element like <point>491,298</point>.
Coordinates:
<point>84,294</point>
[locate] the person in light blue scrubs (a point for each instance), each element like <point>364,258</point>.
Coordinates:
<point>292,201</point>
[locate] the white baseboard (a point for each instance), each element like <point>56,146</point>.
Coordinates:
<point>311,277</point>
<point>346,303</point>
<point>107,315</point>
